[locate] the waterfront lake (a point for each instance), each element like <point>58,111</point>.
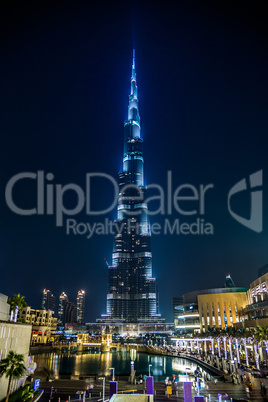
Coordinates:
<point>100,364</point>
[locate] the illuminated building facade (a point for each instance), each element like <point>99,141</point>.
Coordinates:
<point>44,324</point>
<point>14,337</point>
<point>221,307</point>
<point>203,310</point>
<point>132,292</point>
<point>80,305</point>
<point>62,304</point>
<point>187,318</point>
<point>48,301</point>
<point>256,311</point>
<point>176,302</point>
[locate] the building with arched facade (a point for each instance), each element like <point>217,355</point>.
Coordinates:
<point>220,308</point>
<point>203,310</point>
<point>44,324</point>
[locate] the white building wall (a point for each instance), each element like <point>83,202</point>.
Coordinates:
<point>4,308</point>
<point>16,337</point>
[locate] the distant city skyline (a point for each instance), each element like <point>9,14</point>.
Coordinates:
<point>67,311</point>
<point>202,90</point>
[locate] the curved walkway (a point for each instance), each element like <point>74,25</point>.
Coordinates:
<point>200,362</point>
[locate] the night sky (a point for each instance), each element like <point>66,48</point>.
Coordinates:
<point>65,79</point>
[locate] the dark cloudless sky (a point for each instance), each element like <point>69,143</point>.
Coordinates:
<point>65,78</point>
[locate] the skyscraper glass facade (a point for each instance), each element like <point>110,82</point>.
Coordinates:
<point>80,305</point>
<point>48,301</point>
<point>132,293</point>
<point>63,300</point>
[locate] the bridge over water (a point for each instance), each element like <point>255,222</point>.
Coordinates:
<point>103,343</point>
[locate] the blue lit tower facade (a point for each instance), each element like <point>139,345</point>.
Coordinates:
<point>132,295</point>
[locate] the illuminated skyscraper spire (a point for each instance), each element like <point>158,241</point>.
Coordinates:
<point>133,111</point>
<point>132,294</point>
<point>133,77</point>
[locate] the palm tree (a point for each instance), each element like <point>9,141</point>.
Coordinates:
<point>245,335</point>
<point>260,336</point>
<point>12,366</point>
<point>17,301</point>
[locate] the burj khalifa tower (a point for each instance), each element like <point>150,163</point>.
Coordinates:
<point>132,294</point>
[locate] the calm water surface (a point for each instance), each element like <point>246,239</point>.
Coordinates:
<point>100,363</point>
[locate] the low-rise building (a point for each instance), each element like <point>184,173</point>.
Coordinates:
<point>221,308</point>
<point>256,311</point>
<point>177,301</point>
<point>15,337</point>
<point>187,320</point>
<point>203,310</point>
<point>44,324</point>
<point>4,308</point>
<point>124,328</point>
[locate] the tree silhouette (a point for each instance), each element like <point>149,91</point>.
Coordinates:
<point>12,367</point>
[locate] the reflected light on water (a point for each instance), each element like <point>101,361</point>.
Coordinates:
<point>133,354</point>
<point>179,365</point>
<point>100,363</point>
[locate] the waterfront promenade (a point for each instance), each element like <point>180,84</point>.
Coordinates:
<point>68,388</point>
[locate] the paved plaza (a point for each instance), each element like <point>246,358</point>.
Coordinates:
<point>66,388</point>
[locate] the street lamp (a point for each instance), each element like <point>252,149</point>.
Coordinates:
<point>149,370</point>
<point>197,373</point>
<point>197,385</point>
<point>112,368</point>
<point>103,387</point>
